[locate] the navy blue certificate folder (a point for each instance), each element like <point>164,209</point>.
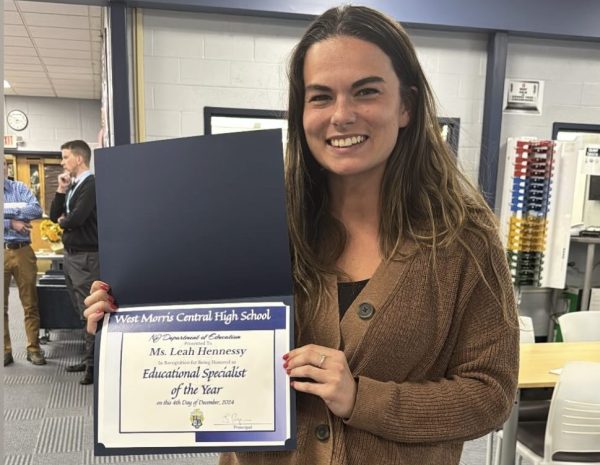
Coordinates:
<point>194,220</point>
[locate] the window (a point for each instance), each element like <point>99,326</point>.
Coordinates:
<point>223,120</point>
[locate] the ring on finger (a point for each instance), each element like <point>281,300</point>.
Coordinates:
<point>321,360</point>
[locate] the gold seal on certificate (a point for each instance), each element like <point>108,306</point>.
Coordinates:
<point>195,376</point>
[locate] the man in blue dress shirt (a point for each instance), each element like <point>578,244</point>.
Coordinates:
<point>20,207</point>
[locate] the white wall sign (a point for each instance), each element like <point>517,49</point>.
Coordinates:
<point>524,96</point>
<point>591,161</point>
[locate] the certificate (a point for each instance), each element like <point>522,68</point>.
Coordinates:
<point>189,377</point>
<point>194,376</point>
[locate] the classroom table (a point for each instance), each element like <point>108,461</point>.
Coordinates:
<point>536,361</point>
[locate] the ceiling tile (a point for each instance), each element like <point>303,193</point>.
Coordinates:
<point>76,77</point>
<point>59,72</point>
<point>23,67</point>
<point>95,10</point>
<point>78,89</point>
<point>75,93</point>
<point>32,85</point>
<point>13,30</point>
<point>72,22</point>
<point>12,17</point>
<point>53,8</point>
<point>58,83</point>
<point>72,66</point>
<point>25,74</point>
<point>59,53</point>
<point>35,92</point>
<point>19,51</point>
<point>64,44</point>
<point>25,82</point>
<point>95,23</point>
<point>68,39</point>
<point>18,41</point>
<point>59,33</point>
<point>22,59</point>
<point>81,95</point>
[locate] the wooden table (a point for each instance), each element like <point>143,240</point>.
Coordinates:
<point>534,372</point>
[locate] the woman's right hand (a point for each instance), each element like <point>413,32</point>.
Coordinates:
<point>98,303</point>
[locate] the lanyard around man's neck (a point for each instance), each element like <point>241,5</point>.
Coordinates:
<point>74,187</point>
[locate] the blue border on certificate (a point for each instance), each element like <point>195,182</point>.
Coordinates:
<point>205,439</point>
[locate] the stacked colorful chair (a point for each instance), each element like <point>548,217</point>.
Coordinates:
<point>528,224</point>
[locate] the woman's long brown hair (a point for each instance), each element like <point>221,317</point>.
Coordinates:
<point>424,196</point>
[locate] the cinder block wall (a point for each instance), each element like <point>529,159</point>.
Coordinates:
<point>197,60</point>
<point>53,121</point>
<point>455,64</point>
<point>571,74</point>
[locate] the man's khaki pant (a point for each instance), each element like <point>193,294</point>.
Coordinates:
<point>22,265</point>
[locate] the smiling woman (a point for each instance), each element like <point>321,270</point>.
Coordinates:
<point>375,199</point>
<point>353,110</point>
<point>420,351</point>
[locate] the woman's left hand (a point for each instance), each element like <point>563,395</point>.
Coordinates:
<point>328,368</point>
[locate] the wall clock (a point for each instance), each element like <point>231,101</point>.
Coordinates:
<point>17,120</point>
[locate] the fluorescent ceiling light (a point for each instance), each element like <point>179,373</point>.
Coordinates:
<point>6,84</point>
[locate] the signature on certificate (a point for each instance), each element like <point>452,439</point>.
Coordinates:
<point>234,419</point>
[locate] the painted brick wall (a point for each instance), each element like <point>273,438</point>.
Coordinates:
<point>197,60</point>
<point>454,63</point>
<point>53,121</point>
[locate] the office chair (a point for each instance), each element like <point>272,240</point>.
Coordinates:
<point>572,433</point>
<point>526,334</point>
<point>580,326</point>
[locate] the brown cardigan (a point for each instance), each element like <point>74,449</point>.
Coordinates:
<point>436,364</point>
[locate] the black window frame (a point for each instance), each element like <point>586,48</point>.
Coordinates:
<point>209,112</point>
<point>594,188</point>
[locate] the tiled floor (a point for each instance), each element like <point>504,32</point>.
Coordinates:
<point>48,415</point>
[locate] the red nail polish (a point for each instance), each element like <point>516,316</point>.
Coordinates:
<point>285,365</point>
<point>286,356</point>
<point>113,306</point>
<point>288,371</point>
<point>111,299</point>
<point>104,287</point>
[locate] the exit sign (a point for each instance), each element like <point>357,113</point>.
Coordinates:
<point>10,141</point>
